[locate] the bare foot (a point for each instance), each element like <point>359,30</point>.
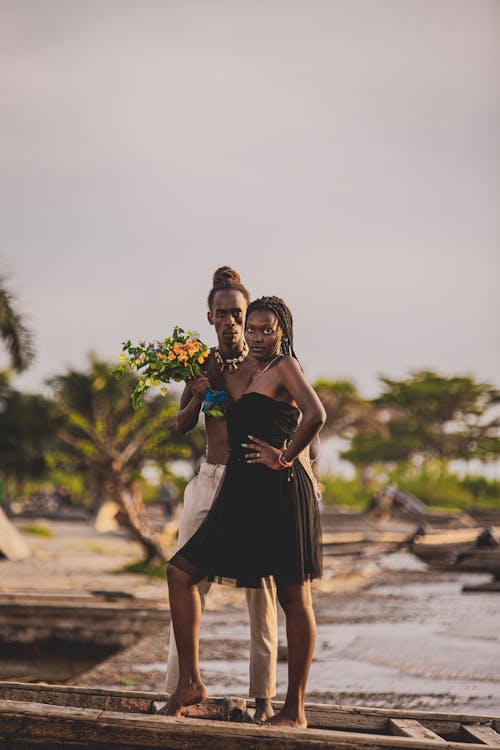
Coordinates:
<point>184,697</point>
<point>263,710</point>
<point>285,719</point>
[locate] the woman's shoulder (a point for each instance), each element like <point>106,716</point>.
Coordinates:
<point>287,364</point>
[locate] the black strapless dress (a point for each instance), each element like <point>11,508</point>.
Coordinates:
<point>262,522</point>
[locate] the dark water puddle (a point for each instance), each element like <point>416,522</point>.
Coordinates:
<point>51,661</point>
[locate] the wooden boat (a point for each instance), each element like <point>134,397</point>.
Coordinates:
<point>336,520</point>
<point>41,716</point>
<point>472,550</point>
<point>110,618</point>
<point>485,516</point>
<point>361,542</point>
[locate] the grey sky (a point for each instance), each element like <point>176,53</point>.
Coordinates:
<point>344,155</point>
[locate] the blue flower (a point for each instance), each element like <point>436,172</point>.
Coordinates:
<point>213,402</point>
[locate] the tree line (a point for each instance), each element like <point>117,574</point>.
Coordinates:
<point>85,432</point>
<point>87,427</point>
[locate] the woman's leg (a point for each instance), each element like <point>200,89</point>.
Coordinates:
<point>301,636</point>
<point>185,611</point>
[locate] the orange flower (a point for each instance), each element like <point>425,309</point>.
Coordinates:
<point>192,346</point>
<point>171,356</point>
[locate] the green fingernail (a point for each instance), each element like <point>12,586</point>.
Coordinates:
<point>244,445</point>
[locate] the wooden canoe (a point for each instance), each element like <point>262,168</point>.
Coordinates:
<point>42,716</point>
<point>362,542</point>
<point>459,549</point>
<point>104,618</point>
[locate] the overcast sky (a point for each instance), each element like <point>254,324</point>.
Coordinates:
<point>343,154</point>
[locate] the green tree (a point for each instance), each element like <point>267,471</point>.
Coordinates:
<point>347,411</point>
<point>13,332</point>
<point>430,417</point>
<point>25,429</point>
<point>101,437</point>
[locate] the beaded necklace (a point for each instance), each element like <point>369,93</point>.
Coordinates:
<point>231,364</point>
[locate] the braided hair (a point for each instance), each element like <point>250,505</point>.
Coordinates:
<point>285,320</point>
<point>226,278</point>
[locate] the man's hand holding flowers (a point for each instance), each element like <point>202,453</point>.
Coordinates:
<point>178,357</point>
<point>198,386</point>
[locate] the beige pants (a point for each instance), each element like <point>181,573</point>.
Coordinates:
<point>198,498</point>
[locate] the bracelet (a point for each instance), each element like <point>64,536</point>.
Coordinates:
<point>283,462</point>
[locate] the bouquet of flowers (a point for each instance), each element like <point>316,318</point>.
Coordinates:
<point>178,357</point>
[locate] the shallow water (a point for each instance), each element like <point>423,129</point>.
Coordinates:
<point>423,641</point>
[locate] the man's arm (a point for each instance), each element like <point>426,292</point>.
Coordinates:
<point>191,401</point>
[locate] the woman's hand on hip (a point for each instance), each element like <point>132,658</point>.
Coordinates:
<point>260,452</point>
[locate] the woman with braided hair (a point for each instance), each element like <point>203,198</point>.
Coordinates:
<point>265,520</point>
<point>283,317</point>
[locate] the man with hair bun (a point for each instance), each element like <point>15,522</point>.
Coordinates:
<point>228,368</point>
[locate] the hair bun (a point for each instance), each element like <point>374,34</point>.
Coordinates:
<point>225,273</point>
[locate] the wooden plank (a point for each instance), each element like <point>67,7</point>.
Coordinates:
<point>320,715</point>
<point>54,724</point>
<point>492,586</point>
<point>213,709</point>
<point>448,537</point>
<point>340,538</point>
<point>413,728</point>
<point>99,698</point>
<point>92,605</point>
<point>362,718</point>
<point>481,733</point>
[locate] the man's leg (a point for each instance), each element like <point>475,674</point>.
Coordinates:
<point>198,498</point>
<point>263,647</point>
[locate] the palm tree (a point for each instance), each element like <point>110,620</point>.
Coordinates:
<point>104,440</point>
<point>16,336</point>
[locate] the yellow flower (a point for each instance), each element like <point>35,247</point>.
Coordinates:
<point>121,357</point>
<point>201,358</point>
<point>163,391</point>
